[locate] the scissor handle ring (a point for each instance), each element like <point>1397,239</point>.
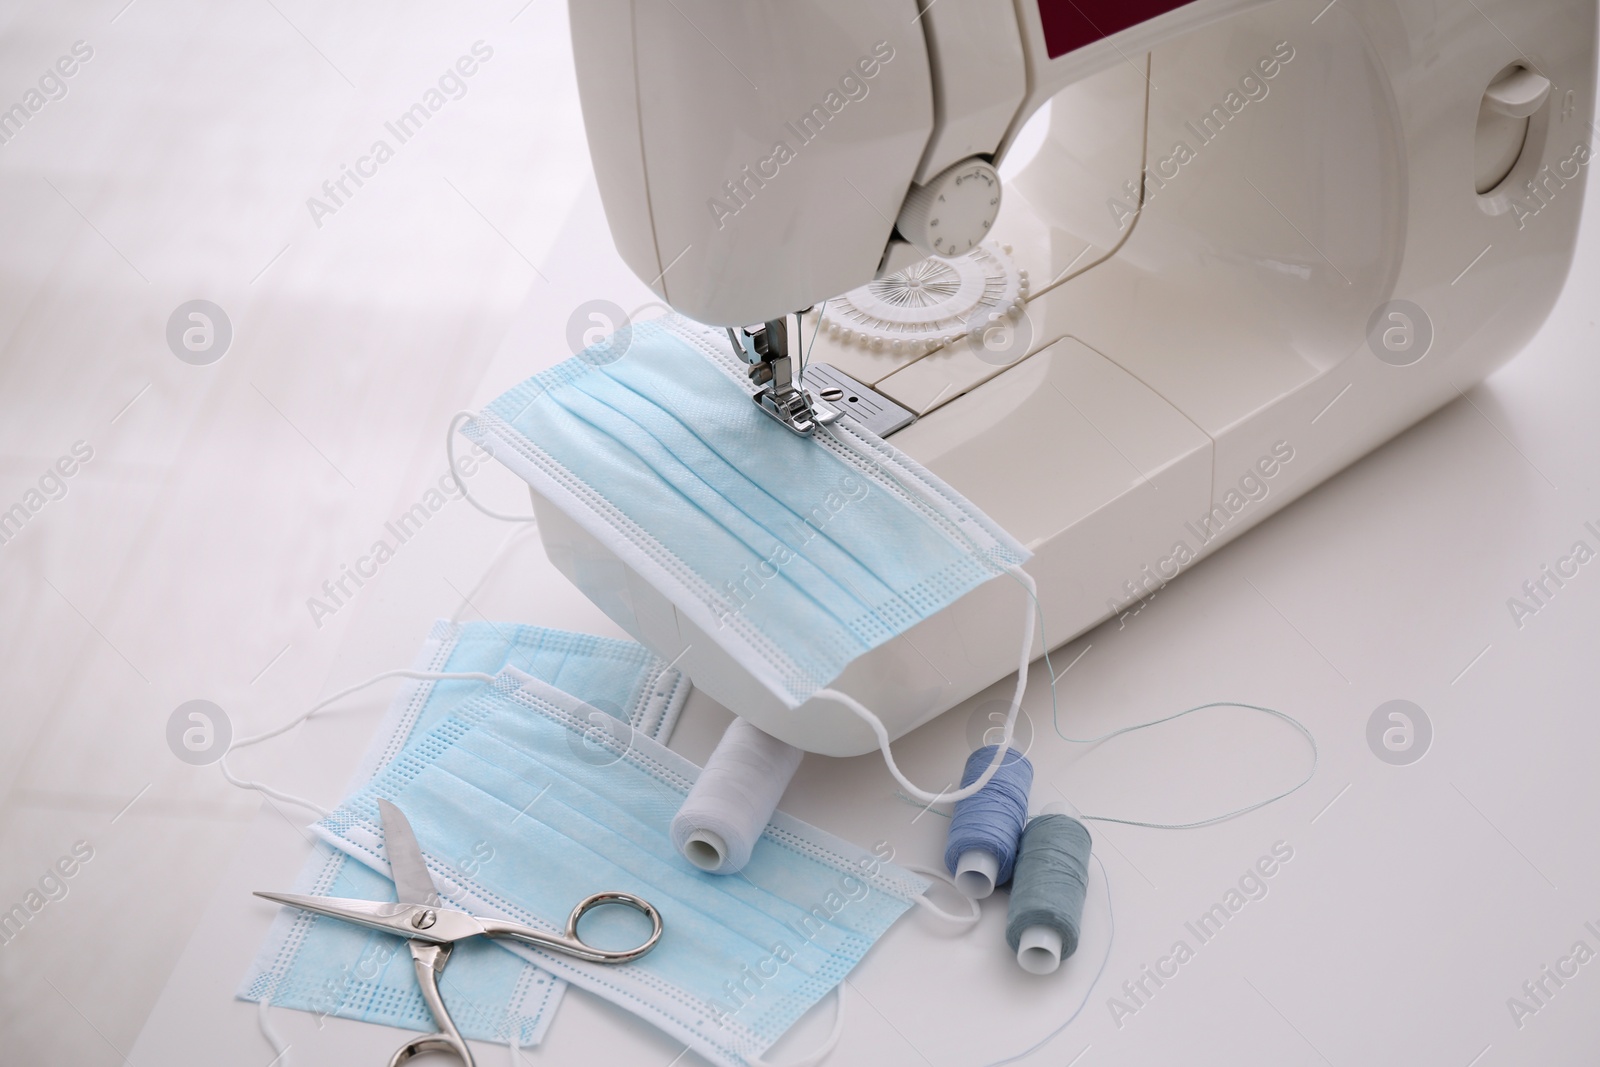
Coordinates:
<point>600,955</point>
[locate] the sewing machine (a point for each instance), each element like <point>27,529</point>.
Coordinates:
<point>1253,242</point>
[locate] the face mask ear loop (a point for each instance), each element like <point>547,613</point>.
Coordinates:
<point>267,790</point>
<point>255,739</point>
<point>962,922</point>
<point>882,734</point>
<point>825,1050</point>
<point>270,1034</point>
<point>455,474</point>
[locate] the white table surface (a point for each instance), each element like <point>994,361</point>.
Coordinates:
<point>219,498</point>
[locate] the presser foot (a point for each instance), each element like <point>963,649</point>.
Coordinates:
<point>795,412</point>
<point>766,349</point>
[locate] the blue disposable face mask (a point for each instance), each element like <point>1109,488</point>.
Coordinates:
<point>797,555</point>
<point>742,957</point>
<point>621,678</point>
<point>328,967</point>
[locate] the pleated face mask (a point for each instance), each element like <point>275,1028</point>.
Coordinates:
<point>741,958</point>
<point>797,555</point>
<point>328,967</point>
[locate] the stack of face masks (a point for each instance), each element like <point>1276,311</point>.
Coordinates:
<point>796,555</point>
<point>741,958</point>
<point>329,967</point>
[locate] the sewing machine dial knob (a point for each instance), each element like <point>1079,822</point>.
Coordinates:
<point>953,212</point>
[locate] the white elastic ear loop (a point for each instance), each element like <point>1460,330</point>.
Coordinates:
<point>823,1051</point>
<point>961,922</point>
<point>455,475</point>
<point>268,1031</point>
<point>255,739</point>
<point>1011,716</point>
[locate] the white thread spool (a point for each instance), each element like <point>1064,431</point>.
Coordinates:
<point>733,799</point>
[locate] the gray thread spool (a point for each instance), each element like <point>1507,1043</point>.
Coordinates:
<point>1047,891</point>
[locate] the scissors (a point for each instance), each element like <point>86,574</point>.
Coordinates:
<point>431,929</point>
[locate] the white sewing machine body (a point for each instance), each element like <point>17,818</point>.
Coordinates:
<point>1227,201</point>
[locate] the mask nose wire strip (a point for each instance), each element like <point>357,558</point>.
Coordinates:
<point>254,739</point>
<point>461,484</point>
<point>823,1051</point>
<point>983,780</point>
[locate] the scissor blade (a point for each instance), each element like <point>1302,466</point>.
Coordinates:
<point>374,914</point>
<point>419,922</point>
<point>412,882</point>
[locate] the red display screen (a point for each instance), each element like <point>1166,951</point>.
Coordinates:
<point>1071,24</point>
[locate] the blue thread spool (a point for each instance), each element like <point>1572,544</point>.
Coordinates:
<point>986,827</point>
<point>1047,891</point>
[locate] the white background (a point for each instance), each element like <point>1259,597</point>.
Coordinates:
<point>219,498</point>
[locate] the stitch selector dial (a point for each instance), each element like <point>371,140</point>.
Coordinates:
<point>929,304</point>
<point>954,211</point>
